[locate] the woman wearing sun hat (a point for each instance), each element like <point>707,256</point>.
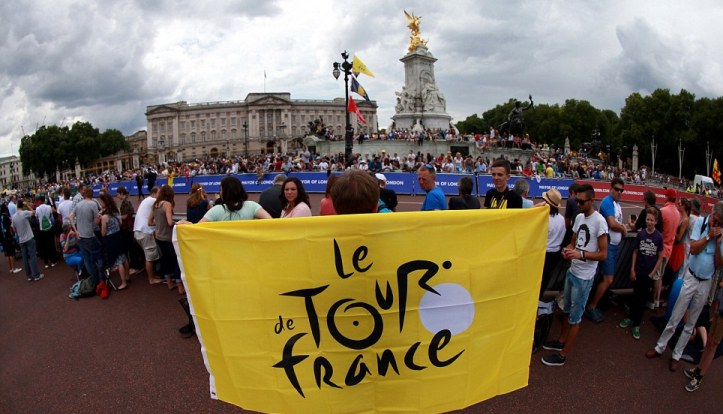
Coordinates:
<point>555,234</point>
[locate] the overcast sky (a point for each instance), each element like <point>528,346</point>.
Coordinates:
<point>106,61</point>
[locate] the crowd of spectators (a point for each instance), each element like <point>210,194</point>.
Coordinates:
<point>540,161</point>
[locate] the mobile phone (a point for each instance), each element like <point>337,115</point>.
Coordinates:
<point>633,217</point>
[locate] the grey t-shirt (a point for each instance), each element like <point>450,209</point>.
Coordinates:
<point>21,222</point>
<point>85,213</point>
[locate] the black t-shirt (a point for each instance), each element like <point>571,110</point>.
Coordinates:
<point>270,200</point>
<point>464,202</point>
<point>389,197</point>
<point>505,199</point>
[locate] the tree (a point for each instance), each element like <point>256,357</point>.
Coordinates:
<point>112,141</point>
<point>473,125</point>
<point>53,148</point>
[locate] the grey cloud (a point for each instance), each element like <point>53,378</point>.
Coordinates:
<point>191,9</point>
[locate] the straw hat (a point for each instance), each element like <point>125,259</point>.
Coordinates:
<point>552,197</point>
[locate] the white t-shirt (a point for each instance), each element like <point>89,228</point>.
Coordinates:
<point>64,209</point>
<point>143,214</point>
<point>587,229</point>
<point>555,232</point>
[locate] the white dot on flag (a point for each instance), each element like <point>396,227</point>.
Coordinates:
<point>452,309</point>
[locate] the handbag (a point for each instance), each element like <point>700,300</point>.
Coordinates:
<point>677,257</point>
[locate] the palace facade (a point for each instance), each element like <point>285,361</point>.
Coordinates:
<point>261,123</point>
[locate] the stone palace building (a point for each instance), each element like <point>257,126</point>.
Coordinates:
<point>261,123</point>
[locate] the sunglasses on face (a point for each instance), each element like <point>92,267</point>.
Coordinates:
<point>618,189</point>
<point>581,202</point>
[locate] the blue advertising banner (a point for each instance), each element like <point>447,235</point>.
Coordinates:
<point>315,182</point>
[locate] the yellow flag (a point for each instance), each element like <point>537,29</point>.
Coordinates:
<point>358,67</point>
<point>402,312</point>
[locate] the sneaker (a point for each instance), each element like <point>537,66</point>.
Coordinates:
<point>626,323</point>
<point>635,330</point>
<point>40,276</point>
<point>594,315</point>
<point>650,305</point>
<point>691,373</point>
<point>554,360</point>
<point>17,270</point>
<point>53,264</point>
<point>553,345</point>
<point>694,384</point>
<point>46,266</point>
<point>30,279</point>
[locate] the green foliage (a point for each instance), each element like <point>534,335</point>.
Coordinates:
<point>672,119</point>
<point>53,148</point>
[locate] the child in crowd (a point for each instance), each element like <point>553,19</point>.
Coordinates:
<point>647,258</point>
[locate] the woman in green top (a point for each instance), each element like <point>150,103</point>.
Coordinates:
<point>235,204</point>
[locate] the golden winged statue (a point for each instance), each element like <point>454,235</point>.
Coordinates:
<point>413,25</point>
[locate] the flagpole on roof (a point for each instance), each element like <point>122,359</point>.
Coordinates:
<point>264,80</point>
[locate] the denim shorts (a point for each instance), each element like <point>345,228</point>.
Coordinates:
<point>608,266</point>
<point>576,293</point>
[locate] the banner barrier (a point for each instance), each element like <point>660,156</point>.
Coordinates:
<point>348,314</point>
<point>406,183</point>
<point>634,193</point>
<point>315,182</point>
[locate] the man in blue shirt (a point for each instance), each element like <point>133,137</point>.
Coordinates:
<point>705,259</point>
<point>613,214</point>
<point>435,199</point>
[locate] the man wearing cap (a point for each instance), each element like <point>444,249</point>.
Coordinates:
<point>706,246</point>
<point>671,220</point>
<point>270,198</point>
<point>387,195</point>
<point>435,199</point>
<point>613,214</point>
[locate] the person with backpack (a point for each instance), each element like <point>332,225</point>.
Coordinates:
<point>46,235</point>
<point>8,238</point>
<point>21,225</point>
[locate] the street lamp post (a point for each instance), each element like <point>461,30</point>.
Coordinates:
<point>349,134</point>
<point>654,153</point>
<point>708,158</point>
<point>246,138</point>
<point>681,155</point>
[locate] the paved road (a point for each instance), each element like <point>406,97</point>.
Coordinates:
<point>124,355</point>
